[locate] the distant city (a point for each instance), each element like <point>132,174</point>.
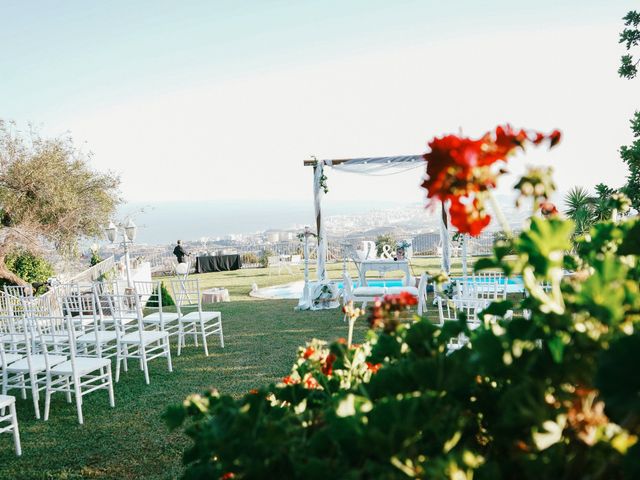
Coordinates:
<point>412,222</point>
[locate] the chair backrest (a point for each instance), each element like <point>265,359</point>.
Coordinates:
<point>446,311</point>
<point>149,294</point>
<point>186,293</point>
<point>20,291</point>
<point>296,259</point>
<point>182,269</point>
<point>50,333</point>
<point>7,316</point>
<point>122,306</point>
<point>450,310</point>
<point>61,343</point>
<point>485,290</point>
<point>470,307</point>
<point>82,309</point>
<point>150,297</point>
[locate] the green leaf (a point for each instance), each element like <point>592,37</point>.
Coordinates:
<point>556,348</point>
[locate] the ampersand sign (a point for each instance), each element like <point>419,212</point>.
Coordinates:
<point>386,252</point>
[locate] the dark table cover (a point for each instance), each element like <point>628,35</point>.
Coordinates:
<point>218,263</point>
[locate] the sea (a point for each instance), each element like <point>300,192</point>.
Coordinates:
<point>162,223</point>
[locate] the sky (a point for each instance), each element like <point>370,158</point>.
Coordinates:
<point>222,100</point>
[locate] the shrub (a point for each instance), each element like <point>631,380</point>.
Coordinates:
<point>95,258</point>
<point>554,396</point>
<point>264,258</point>
<point>29,266</point>
<point>166,298</point>
<point>250,258</point>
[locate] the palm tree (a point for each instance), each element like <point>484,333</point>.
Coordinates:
<point>580,209</point>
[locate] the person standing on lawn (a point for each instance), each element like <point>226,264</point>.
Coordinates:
<point>180,252</point>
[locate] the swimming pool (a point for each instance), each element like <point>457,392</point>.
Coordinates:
<point>293,291</point>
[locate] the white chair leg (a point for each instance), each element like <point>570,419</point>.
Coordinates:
<point>221,335</point>
<point>180,336</point>
<point>16,431</point>
<point>204,339</point>
<point>78,392</point>
<point>168,352</point>
<point>47,399</point>
<point>143,361</point>
<point>36,395</point>
<point>118,359</point>
<point>112,401</point>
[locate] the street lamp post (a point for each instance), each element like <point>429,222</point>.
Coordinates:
<point>128,236</point>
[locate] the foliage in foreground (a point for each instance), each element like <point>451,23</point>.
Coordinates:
<point>554,396</point>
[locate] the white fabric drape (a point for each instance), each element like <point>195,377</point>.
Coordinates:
<point>318,192</point>
<point>378,166</point>
<point>445,240</point>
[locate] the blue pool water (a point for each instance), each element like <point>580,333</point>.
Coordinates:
<point>294,290</point>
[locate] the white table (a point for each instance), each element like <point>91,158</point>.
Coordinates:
<point>383,266</point>
<point>215,295</point>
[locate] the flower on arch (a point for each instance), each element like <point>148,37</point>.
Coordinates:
<point>460,167</point>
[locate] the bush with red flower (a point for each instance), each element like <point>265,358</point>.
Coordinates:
<point>550,395</point>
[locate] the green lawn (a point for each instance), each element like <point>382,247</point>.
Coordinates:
<point>131,441</point>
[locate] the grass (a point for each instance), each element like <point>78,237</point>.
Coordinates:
<point>131,441</point>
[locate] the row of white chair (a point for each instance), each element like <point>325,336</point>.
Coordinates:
<point>64,342</point>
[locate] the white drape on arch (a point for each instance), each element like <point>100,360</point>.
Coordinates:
<point>369,166</point>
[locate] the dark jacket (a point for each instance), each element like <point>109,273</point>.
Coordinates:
<point>179,253</point>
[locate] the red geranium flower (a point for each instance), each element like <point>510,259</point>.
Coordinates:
<point>308,352</point>
<point>311,383</point>
<point>289,381</point>
<point>227,476</point>
<point>461,167</point>
<point>471,218</point>
<point>327,366</point>
<point>373,367</point>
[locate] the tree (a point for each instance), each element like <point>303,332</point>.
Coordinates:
<point>579,209</point>
<point>630,155</point>
<point>630,36</point>
<point>49,195</point>
<point>585,210</point>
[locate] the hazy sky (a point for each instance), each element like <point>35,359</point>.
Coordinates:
<point>206,100</point>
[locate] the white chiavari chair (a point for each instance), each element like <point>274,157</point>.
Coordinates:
<point>9,423</point>
<point>150,296</point>
<point>19,291</point>
<point>94,339</point>
<point>30,371</point>
<point>186,294</point>
<point>79,375</point>
<point>453,310</point>
<point>144,345</point>
<point>128,316</point>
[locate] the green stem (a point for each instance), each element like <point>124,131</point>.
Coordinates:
<point>350,335</point>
